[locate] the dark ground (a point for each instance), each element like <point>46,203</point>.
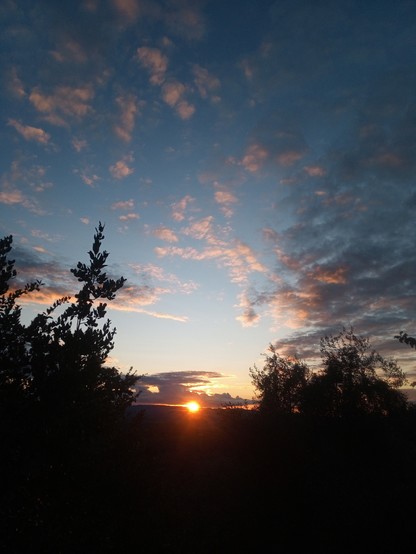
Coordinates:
<point>216,481</point>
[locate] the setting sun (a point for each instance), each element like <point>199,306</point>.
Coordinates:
<point>192,406</point>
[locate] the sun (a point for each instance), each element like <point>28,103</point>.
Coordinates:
<point>192,406</point>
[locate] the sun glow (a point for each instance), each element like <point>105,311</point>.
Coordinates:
<point>192,406</point>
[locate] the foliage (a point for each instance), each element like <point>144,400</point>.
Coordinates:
<point>404,337</point>
<point>354,380</point>
<point>55,366</point>
<point>280,384</point>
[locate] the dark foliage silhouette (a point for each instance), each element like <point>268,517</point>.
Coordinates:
<point>407,339</point>
<point>60,405</point>
<point>354,380</point>
<point>280,384</point>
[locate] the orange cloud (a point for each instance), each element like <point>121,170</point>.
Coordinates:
<point>289,157</point>
<point>314,170</point>
<point>30,133</point>
<point>155,62</point>
<point>128,110</point>
<point>254,158</point>
<point>178,208</point>
<point>121,169</point>
<point>72,102</point>
<point>166,234</point>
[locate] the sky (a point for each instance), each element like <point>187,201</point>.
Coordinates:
<point>253,163</point>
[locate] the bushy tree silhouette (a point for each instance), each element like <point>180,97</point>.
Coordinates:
<point>280,383</point>
<point>55,366</point>
<point>354,380</point>
<point>407,339</point>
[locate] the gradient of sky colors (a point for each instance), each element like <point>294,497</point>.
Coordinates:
<point>254,163</point>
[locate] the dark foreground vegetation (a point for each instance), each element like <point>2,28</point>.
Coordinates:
<point>325,465</point>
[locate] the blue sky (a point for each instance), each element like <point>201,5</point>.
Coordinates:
<point>253,163</point>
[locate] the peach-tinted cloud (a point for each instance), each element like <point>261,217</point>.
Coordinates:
<point>30,133</point>
<point>289,157</point>
<point>129,217</point>
<point>336,276</point>
<point>121,169</point>
<point>155,62</point>
<point>166,234</point>
<point>184,109</point>
<point>15,85</point>
<point>70,50</point>
<point>205,82</point>
<point>65,102</point>
<point>172,92</point>
<point>254,158</point>
<point>179,208</point>
<point>153,272</point>
<point>123,205</point>
<point>249,317</point>
<point>238,257</point>
<point>128,106</point>
<point>89,177</point>
<point>200,229</point>
<point>225,198</point>
<point>79,144</point>
<point>185,21</point>
<point>12,196</point>
<point>315,171</point>
<point>128,9</point>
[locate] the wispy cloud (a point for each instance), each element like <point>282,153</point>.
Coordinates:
<point>30,133</point>
<point>155,62</point>
<point>206,83</point>
<point>122,169</point>
<point>128,106</point>
<point>179,208</point>
<point>63,104</point>
<point>164,233</point>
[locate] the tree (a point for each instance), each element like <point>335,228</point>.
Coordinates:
<point>404,337</point>
<point>355,380</point>
<point>57,364</point>
<point>280,383</point>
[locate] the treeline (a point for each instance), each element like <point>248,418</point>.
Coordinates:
<point>326,458</point>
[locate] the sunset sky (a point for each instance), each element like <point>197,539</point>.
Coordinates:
<point>254,164</point>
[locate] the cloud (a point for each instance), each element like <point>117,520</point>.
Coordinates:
<point>180,387</point>
<point>123,205</point>
<point>254,158</point>
<point>155,62</point>
<point>185,20</point>
<point>69,51</point>
<point>128,217</point>
<point>128,106</point>
<point>238,257</point>
<point>149,273</point>
<point>65,103</point>
<point>88,176</point>
<point>179,208</point>
<point>206,83</point>
<point>14,84</point>
<point>30,133</point>
<point>121,169</point>
<point>184,109</point>
<point>172,94</point>
<point>225,199</point>
<point>164,233</point>
<point>128,9</point>
<point>79,144</point>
